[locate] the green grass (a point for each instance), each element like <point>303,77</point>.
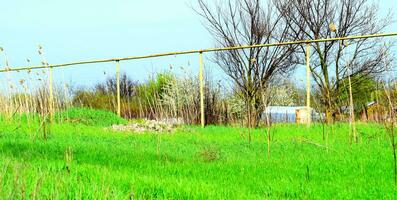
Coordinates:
<point>195,163</point>
<point>91,117</point>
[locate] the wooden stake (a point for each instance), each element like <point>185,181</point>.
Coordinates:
<point>308,91</point>
<point>201,77</point>
<point>118,88</point>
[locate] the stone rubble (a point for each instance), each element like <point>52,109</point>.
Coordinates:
<point>150,126</point>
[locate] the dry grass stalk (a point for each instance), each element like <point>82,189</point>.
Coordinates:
<point>389,125</point>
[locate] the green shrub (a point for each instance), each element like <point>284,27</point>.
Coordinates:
<point>153,91</point>
<point>93,99</point>
<point>89,116</point>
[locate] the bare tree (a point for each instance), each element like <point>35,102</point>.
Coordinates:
<point>250,22</point>
<point>333,62</point>
<point>127,86</point>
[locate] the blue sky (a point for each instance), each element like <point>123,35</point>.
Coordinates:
<point>71,30</point>
<point>79,30</point>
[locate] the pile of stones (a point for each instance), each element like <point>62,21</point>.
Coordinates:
<point>150,126</point>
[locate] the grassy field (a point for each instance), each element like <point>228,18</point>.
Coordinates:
<point>80,161</point>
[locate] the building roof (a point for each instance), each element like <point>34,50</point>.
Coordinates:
<point>283,109</point>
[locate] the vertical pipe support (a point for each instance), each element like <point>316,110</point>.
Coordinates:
<point>352,116</point>
<point>201,78</point>
<point>308,86</point>
<point>51,93</point>
<point>118,88</point>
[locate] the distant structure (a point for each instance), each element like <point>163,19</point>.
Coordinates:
<point>374,112</point>
<point>365,116</point>
<point>289,114</point>
<point>301,115</point>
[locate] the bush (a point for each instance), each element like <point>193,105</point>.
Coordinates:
<point>94,100</point>
<point>163,96</point>
<point>88,116</point>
